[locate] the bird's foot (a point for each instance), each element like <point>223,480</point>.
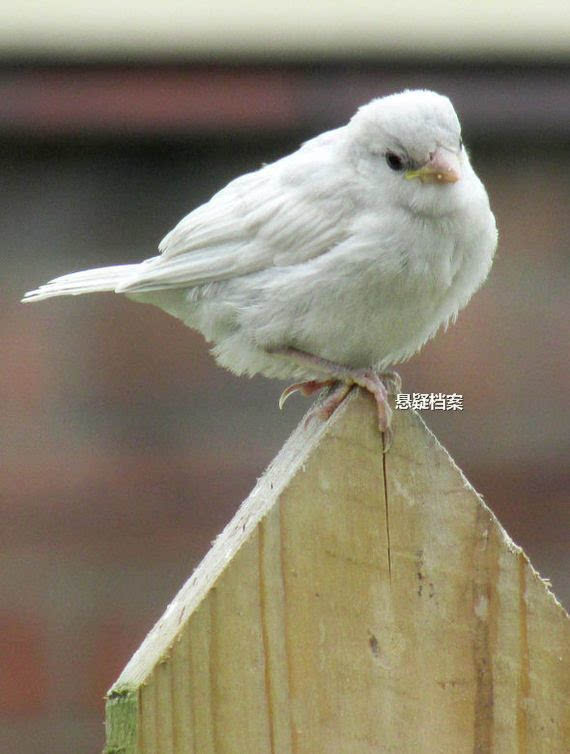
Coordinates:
<point>305,388</point>
<point>324,409</point>
<point>331,402</point>
<point>392,382</point>
<point>376,385</point>
<point>342,380</point>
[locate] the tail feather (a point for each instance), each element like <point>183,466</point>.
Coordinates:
<point>87,281</point>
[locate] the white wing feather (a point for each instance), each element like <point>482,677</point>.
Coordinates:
<point>273,217</point>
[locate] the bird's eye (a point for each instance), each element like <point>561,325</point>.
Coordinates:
<point>395,162</point>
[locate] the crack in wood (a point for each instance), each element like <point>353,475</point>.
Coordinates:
<point>387,510</point>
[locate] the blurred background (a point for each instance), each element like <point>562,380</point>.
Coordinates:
<point>125,450</point>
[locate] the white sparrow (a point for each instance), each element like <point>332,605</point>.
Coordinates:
<point>331,264</point>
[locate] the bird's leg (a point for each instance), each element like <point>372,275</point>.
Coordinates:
<point>325,409</point>
<point>331,402</point>
<point>366,378</point>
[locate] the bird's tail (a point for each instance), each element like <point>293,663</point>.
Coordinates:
<point>87,281</point>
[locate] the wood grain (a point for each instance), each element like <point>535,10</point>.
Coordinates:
<point>357,603</point>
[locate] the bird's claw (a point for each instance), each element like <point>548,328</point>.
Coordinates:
<point>392,382</point>
<point>305,388</point>
<point>342,381</point>
<point>376,384</point>
<point>326,409</point>
<point>387,439</point>
<point>287,393</point>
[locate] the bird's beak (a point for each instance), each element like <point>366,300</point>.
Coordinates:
<point>442,167</point>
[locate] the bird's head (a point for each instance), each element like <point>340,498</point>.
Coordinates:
<point>409,145</point>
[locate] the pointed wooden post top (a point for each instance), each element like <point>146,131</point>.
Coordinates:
<point>357,602</point>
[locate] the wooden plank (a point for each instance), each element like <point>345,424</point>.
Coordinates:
<point>357,602</point>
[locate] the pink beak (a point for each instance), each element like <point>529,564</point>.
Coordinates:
<point>442,167</point>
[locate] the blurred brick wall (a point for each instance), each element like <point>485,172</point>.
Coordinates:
<point>125,450</point>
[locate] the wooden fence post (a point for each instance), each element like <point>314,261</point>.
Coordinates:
<point>356,604</point>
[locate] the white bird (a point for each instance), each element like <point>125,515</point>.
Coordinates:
<point>331,264</point>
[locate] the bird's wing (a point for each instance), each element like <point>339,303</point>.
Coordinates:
<point>283,214</point>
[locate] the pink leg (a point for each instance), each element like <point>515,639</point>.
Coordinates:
<point>330,403</point>
<point>347,377</point>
